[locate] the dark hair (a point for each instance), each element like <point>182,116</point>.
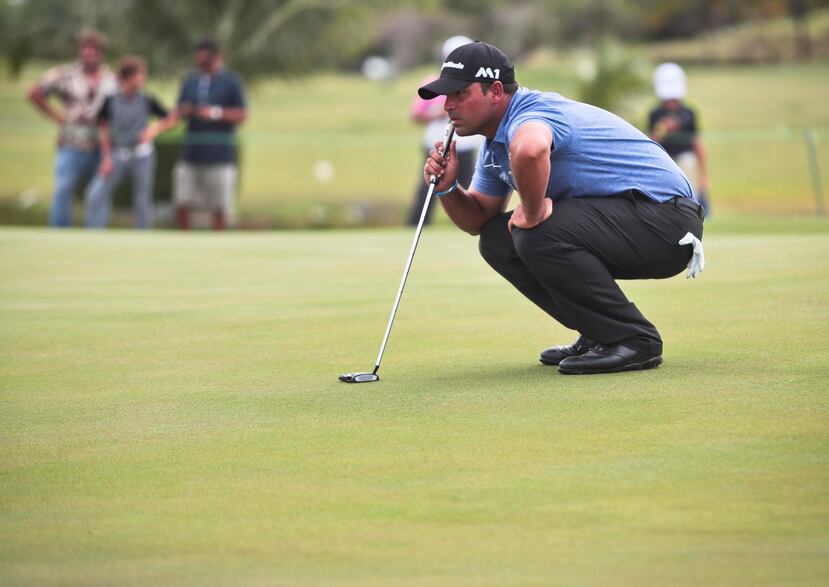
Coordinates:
<point>130,65</point>
<point>509,88</point>
<point>92,37</point>
<point>209,45</point>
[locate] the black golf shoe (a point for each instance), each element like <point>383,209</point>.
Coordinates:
<point>554,355</point>
<point>609,359</point>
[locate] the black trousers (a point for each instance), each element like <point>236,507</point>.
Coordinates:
<point>466,167</point>
<point>568,264</point>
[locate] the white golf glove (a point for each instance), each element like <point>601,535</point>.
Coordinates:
<point>697,262</point>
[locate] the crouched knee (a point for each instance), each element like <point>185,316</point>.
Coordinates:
<point>494,241</point>
<point>534,244</point>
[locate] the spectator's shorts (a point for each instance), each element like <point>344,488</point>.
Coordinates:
<point>205,187</point>
<point>689,164</point>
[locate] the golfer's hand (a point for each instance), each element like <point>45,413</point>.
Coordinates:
<point>697,263</point>
<point>519,216</point>
<point>446,170</point>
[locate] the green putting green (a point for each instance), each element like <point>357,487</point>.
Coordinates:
<point>170,414</point>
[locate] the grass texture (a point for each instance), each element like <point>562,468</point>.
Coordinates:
<point>170,415</point>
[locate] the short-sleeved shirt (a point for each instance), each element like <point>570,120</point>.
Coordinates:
<point>81,102</point>
<point>682,120</point>
<point>594,153</point>
<point>127,116</point>
<point>211,141</point>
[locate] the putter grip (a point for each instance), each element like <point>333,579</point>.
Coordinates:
<point>447,142</point>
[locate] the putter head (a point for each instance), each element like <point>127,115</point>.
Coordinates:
<point>359,377</point>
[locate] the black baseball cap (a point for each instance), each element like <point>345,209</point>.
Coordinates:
<point>208,44</point>
<point>470,63</point>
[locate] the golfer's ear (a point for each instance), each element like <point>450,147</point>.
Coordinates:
<point>497,89</point>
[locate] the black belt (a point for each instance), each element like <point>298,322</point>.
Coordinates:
<point>679,201</point>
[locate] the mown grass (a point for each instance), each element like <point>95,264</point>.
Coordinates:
<point>170,414</point>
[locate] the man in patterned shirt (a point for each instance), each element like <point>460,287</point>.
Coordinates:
<point>81,88</point>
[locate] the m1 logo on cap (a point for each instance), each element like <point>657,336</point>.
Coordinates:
<point>488,72</point>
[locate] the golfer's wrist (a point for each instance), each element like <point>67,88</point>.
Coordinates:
<point>536,219</point>
<point>451,189</point>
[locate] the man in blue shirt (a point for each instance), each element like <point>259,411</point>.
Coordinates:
<point>213,102</point>
<point>599,201</point>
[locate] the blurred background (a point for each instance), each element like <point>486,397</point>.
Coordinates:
<point>329,141</point>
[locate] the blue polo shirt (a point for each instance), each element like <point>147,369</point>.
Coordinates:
<point>211,141</point>
<point>595,153</point>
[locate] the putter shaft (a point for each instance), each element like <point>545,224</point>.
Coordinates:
<point>433,181</point>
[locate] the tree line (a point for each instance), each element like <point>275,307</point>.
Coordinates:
<point>292,37</point>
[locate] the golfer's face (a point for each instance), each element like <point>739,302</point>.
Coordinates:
<point>468,109</point>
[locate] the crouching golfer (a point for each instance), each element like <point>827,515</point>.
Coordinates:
<point>600,201</point>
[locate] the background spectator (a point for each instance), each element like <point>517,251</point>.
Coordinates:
<point>127,146</point>
<point>213,101</point>
<point>674,126</point>
<point>81,88</point>
<point>430,113</point>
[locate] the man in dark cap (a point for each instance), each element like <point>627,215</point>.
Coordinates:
<point>212,100</point>
<point>599,201</point>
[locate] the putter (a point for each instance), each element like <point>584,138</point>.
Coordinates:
<point>433,181</point>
